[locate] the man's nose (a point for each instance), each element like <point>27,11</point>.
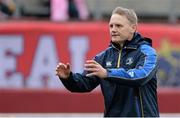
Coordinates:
<point>114,29</point>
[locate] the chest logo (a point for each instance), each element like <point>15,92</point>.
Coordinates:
<point>129,61</point>
<point>108,64</point>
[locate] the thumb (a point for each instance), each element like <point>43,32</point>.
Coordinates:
<point>68,66</point>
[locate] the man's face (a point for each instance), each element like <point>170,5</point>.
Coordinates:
<point>121,29</point>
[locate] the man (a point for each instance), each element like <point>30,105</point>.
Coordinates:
<point>126,71</point>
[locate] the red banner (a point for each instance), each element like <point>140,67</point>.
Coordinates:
<point>30,51</point>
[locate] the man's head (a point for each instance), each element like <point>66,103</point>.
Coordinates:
<point>122,25</point>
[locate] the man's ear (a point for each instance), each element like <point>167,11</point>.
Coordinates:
<point>133,28</point>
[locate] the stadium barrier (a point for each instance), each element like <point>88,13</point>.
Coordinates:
<point>30,52</point>
<point>61,101</point>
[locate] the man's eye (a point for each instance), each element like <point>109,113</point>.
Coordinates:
<point>118,25</point>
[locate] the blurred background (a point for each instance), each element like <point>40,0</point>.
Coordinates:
<point>37,34</point>
<point>164,11</point>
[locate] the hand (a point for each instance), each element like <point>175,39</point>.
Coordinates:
<point>63,70</point>
<point>95,69</point>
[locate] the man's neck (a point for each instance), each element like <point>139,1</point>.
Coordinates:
<point>121,45</point>
<point>118,45</point>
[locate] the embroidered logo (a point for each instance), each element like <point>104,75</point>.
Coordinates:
<point>131,73</point>
<point>108,64</point>
<point>129,61</point>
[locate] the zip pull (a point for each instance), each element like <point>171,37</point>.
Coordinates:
<point>119,59</point>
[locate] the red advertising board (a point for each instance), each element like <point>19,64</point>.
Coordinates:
<point>36,48</point>
<point>30,51</point>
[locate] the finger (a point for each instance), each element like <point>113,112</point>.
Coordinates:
<point>57,70</point>
<point>91,69</point>
<point>56,73</point>
<point>90,66</point>
<point>91,61</point>
<point>68,66</point>
<point>61,66</point>
<point>91,74</point>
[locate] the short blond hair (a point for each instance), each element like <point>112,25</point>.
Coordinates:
<point>128,13</point>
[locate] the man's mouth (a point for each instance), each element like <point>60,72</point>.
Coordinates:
<point>114,35</point>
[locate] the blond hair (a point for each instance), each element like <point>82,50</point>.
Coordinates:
<point>128,13</point>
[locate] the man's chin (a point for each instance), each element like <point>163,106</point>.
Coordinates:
<point>115,40</point>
